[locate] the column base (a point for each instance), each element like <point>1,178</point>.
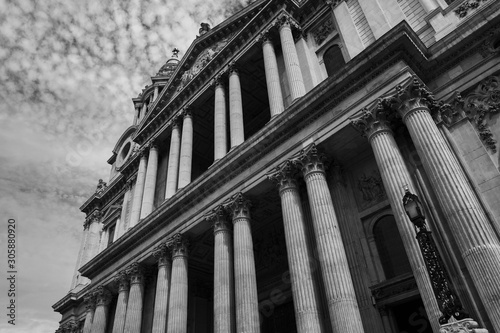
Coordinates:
<point>467,325</point>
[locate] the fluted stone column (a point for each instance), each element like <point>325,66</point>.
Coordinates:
<point>340,295</point>
<point>274,94</point>
<point>136,114</point>
<point>245,280</point>
<point>89,315</point>
<point>123,215</point>
<point>150,182</point>
<point>173,159</point>
<point>178,303</point>
<point>143,111</point>
<point>292,65</point>
<point>133,319</point>
<point>306,299</point>
<point>236,125</point>
<point>135,212</point>
<point>352,230</point>
<point>220,122</point>
<point>155,93</point>
<point>122,280</point>
<point>162,253</point>
<point>103,298</point>
<point>395,175</point>
<point>473,232</point>
<point>186,155</point>
<point>224,320</point>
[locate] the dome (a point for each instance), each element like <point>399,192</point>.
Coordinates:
<point>169,67</point>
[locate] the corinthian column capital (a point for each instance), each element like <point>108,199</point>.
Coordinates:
<point>179,245</point>
<point>412,96</point>
<point>89,301</point>
<point>284,175</point>
<point>122,281</point>
<point>375,120</point>
<point>136,273</point>
<point>309,160</point>
<point>218,217</point>
<point>102,296</point>
<point>240,206</point>
<point>162,254</point>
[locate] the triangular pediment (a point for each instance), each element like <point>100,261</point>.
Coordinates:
<point>202,51</point>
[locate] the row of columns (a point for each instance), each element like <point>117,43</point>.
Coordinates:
<point>467,220</point>
<point>142,108</point>
<point>170,309</point>
<point>178,170</point>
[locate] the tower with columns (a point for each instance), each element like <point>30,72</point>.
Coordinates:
<point>259,186</point>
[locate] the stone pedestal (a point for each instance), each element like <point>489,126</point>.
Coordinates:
<point>103,298</point>
<point>300,259</point>
<point>178,302</point>
<point>186,154</point>
<point>236,125</point>
<point>133,318</point>
<point>150,182</point>
<point>462,326</point>
<point>395,175</point>
<point>162,289</point>
<point>246,300</point>
<point>274,94</point>
<point>122,280</point>
<point>173,159</point>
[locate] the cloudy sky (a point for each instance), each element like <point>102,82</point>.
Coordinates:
<point>68,71</point>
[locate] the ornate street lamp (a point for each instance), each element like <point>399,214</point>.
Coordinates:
<point>448,301</point>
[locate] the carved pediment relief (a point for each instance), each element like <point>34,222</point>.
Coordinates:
<point>202,60</point>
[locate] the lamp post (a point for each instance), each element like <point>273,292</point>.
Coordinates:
<point>448,301</point>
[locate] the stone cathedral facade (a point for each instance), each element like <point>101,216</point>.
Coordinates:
<point>259,187</point>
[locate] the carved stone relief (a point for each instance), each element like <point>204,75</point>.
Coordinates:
<point>368,187</point>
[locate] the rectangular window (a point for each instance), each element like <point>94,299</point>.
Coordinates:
<point>111,235</point>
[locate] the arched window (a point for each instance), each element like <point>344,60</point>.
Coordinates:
<point>334,60</point>
<point>390,247</point>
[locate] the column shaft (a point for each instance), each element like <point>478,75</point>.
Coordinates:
<point>150,182</point>
<point>394,176</point>
<point>121,304</point>
<point>237,129</point>
<point>173,160</point>
<point>220,134</point>
<point>138,192</point>
<point>123,215</point>
<point>100,321</point>
<point>162,292</point>
<point>292,65</point>
<point>246,300</point>
<point>475,236</point>
<point>223,277</point>
<point>275,96</point>
<point>186,158</point>
<point>340,295</point>
<point>178,303</point>
<point>305,295</point>
<point>133,319</point>
<point>89,316</point>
